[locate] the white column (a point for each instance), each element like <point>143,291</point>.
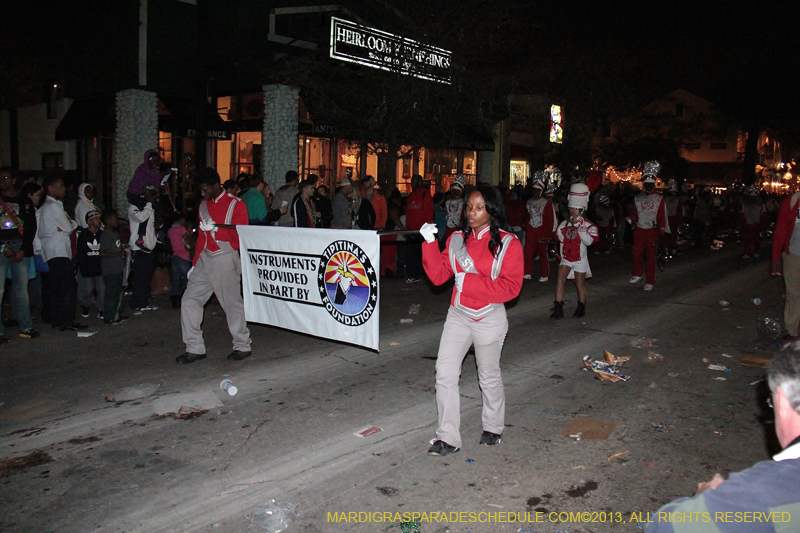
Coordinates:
<point>137,132</point>
<point>279,137</point>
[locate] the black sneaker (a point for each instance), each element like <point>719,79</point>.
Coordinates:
<point>30,334</point>
<point>187,358</point>
<point>490,439</point>
<point>101,315</point>
<point>238,355</point>
<point>440,447</point>
<point>85,312</point>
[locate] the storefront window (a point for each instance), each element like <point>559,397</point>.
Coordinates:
<point>314,157</point>
<point>519,172</point>
<point>246,153</point>
<point>348,160</point>
<point>165,146</point>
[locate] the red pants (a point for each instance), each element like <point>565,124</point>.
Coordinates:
<point>534,247</point>
<point>752,242</point>
<point>645,246</point>
<point>671,239</point>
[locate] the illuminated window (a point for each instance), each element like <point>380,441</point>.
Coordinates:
<point>556,131</point>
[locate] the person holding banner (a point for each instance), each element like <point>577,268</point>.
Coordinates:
<point>488,264</point>
<point>216,269</point>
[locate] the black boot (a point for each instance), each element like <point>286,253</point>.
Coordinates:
<point>558,311</point>
<point>176,301</point>
<point>580,311</point>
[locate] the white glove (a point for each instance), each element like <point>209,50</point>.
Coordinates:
<point>189,274</point>
<point>427,230</point>
<point>460,280</point>
<point>208,226</point>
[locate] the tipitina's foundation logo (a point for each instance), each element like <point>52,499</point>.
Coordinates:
<point>348,285</point>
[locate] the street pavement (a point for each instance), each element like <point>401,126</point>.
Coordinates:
<point>288,434</point>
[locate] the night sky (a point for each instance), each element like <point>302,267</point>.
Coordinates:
<point>743,57</point>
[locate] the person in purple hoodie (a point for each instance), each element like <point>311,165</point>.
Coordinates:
<point>146,174</point>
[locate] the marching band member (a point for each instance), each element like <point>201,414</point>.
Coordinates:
<point>649,223</point>
<point>575,235</point>
<point>454,205</point>
<point>541,226</point>
<point>487,264</point>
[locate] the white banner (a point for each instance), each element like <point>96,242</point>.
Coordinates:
<point>322,282</point>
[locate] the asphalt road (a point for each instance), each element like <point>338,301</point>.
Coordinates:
<point>288,434</point>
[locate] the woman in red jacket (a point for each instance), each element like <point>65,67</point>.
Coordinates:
<point>488,265</point>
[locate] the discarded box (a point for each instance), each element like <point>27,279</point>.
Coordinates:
<point>606,370</point>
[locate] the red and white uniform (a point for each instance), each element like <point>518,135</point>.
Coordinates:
<point>541,226</point>
<point>490,281</point>
<point>453,208</point>
<point>575,238</point>
<point>224,209</point>
<point>649,223</point>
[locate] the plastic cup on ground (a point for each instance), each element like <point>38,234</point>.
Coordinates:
<point>228,386</point>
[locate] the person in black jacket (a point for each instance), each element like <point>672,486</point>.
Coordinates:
<point>363,212</point>
<point>303,210</point>
<point>89,265</point>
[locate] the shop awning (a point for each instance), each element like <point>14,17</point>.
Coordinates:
<point>87,118</point>
<point>178,115</point>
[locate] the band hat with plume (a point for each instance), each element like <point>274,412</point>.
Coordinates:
<point>539,179</point>
<point>459,183</point>
<point>578,196</point>
<point>650,171</point>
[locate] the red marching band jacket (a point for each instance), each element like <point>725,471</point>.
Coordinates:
<point>573,236</point>
<point>224,209</point>
<point>650,213</point>
<point>489,282</point>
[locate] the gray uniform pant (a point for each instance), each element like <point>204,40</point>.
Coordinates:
<point>488,336</point>
<point>791,309</point>
<point>218,274</point>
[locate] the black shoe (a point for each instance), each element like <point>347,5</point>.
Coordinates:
<point>490,439</point>
<point>238,355</point>
<point>30,334</point>
<point>85,312</point>
<point>4,339</point>
<point>580,311</point>
<point>11,322</point>
<point>558,310</point>
<point>187,358</point>
<point>440,447</point>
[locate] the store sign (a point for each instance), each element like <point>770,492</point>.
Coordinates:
<point>378,49</point>
<point>211,134</point>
